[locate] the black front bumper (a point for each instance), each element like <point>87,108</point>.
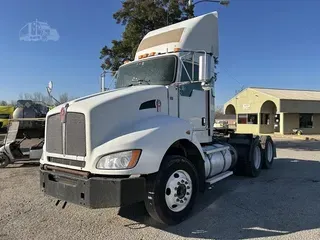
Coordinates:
<point>92,191</point>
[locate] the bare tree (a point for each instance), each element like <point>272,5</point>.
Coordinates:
<point>219,111</point>
<point>13,103</point>
<point>37,97</point>
<point>64,98</point>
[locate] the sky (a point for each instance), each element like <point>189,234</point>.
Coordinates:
<point>263,43</point>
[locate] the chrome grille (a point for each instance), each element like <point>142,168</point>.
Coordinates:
<point>75,134</point>
<point>54,134</point>
<point>69,162</point>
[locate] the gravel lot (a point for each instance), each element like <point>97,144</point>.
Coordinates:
<point>282,203</point>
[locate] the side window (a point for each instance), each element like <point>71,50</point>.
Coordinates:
<point>186,90</point>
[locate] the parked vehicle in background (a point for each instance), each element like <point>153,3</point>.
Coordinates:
<point>5,114</point>
<point>222,127</point>
<point>11,152</point>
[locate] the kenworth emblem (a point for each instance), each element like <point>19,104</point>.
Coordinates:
<point>63,115</point>
<point>158,105</point>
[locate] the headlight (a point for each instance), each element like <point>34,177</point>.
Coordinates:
<point>120,160</point>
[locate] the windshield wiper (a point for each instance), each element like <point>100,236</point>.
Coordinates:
<point>141,81</point>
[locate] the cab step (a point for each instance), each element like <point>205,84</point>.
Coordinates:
<point>219,177</point>
<point>212,149</point>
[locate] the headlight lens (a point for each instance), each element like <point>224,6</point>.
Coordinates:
<point>120,160</point>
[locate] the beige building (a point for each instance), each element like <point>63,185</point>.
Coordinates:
<point>264,110</point>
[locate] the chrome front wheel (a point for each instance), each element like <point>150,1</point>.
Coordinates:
<point>178,191</point>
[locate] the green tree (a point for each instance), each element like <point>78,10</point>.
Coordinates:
<point>3,103</point>
<point>140,17</point>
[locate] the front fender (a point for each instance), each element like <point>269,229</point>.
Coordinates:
<point>153,135</point>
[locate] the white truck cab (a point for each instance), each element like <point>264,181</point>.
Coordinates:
<point>151,138</point>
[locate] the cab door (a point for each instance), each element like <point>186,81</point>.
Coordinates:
<point>192,101</point>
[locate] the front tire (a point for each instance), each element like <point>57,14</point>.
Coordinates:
<point>171,193</point>
<point>4,160</point>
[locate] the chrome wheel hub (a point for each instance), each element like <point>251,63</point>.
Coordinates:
<point>178,191</point>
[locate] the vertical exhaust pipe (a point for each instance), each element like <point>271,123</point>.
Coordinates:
<point>204,76</point>
<point>102,81</point>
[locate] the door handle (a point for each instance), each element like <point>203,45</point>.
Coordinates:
<point>203,121</point>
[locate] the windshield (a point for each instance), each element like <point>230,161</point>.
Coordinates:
<point>155,71</point>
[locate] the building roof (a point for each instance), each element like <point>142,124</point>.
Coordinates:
<point>292,94</point>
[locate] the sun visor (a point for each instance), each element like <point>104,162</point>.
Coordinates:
<point>199,33</point>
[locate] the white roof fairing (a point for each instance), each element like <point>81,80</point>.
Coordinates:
<point>199,33</point>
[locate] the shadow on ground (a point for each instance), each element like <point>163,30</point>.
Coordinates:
<point>21,164</point>
<point>280,201</point>
<point>299,145</point>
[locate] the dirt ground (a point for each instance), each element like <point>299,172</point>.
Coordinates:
<point>282,203</point>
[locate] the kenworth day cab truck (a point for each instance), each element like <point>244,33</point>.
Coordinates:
<point>151,138</point>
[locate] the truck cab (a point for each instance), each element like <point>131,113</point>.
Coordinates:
<point>151,138</point>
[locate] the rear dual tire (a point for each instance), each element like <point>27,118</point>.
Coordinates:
<point>259,155</point>
<point>249,158</point>
<point>269,151</point>
<point>254,162</point>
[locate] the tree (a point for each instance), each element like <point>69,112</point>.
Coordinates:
<point>219,111</point>
<point>3,103</point>
<point>37,97</point>
<point>139,18</point>
<point>64,97</point>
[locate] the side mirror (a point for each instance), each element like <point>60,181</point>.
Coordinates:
<point>49,90</point>
<point>50,87</point>
<point>204,72</point>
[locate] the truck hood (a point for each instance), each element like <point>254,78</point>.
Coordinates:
<point>85,104</point>
<point>109,114</point>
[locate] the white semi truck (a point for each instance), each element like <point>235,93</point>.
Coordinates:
<point>151,138</point>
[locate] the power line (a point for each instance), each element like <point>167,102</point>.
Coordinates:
<point>242,85</point>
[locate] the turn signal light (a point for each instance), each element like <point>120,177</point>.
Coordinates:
<point>176,49</point>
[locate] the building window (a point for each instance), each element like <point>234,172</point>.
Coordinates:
<point>242,118</point>
<point>247,118</point>
<point>252,118</point>
<point>306,120</point>
<point>265,118</point>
